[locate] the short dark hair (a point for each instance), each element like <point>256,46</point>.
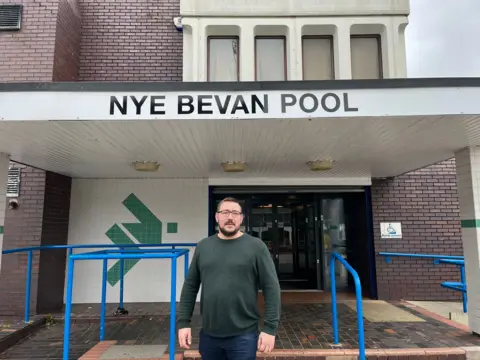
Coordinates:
<point>229,199</point>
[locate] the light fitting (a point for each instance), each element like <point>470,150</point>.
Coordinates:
<point>148,166</point>
<point>234,166</point>
<point>321,165</point>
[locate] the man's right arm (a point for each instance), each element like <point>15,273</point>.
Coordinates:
<point>189,293</point>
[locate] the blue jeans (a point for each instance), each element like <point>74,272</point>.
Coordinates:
<point>241,347</point>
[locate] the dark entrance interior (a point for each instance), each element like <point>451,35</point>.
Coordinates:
<point>301,227</point>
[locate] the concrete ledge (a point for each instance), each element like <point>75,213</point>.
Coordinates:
<point>15,337</point>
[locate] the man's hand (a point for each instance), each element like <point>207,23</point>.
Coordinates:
<point>266,342</point>
<point>185,338</point>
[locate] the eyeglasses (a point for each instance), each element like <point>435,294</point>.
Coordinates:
<point>228,212</point>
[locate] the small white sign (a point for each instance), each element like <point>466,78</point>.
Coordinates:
<point>391,230</point>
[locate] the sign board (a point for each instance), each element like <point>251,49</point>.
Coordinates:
<point>391,230</point>
<point>236,105</point>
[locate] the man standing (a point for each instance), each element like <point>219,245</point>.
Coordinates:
<point>231,266</point>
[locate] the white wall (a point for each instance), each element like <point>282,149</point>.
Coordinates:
<point>4,165</point>
<point>96,205</point>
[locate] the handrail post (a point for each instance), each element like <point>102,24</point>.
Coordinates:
<point>122,280</point>
<point>68,309</point>
<point>185,269</point>
<point>28,287</point>
<point>104,300</point>
<point>464,284</point>
<point>173,308</point>
<point>333,291</point>
<point>361,335</point>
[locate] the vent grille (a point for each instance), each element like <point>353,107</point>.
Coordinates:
<point>13,182</point>
<point>10,17</point>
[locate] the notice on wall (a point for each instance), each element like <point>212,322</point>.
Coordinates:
<point>391,230</point>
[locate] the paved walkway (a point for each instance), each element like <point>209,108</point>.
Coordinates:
<point>303,326</point>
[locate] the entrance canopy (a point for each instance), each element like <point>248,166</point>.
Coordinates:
<point>369,128</point>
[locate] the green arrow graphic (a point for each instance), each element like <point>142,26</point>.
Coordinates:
<point>147,230</point>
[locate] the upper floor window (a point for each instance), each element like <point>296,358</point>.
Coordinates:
<point>318,61</point>
<point>223,59</point>
<point>270,58</point>
<point>366,57</point>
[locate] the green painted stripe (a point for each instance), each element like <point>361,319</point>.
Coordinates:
<point>1,229</point>
<point>473,223</point>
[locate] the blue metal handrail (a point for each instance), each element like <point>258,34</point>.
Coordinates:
<point>358,294</point>
<point>122,254</point>
<point>70,249</point>
<point>438,259</point>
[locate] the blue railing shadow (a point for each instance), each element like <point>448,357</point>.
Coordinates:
<point>440,259</point>
<point>70,249</point>
<point>358,294</point>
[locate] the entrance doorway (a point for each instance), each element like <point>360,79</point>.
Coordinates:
<point>301,229</point>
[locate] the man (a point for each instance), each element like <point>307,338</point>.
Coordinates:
<point>231,266</point>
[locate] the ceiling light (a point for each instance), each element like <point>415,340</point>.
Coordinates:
<point>234,166</point>
<point>321,165</point>
<point>148,166</point>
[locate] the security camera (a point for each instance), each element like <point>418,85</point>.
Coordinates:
<point>177,21</point>
<point>12,204</point>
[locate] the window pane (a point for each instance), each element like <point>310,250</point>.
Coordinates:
<point>365,58</point>
<point>270,54</point>
<point>223,60</point>
<point>317,59</point>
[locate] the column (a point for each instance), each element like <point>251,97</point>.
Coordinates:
<point>342,56</point>
<point>4,165</point>
<point>398,36</point>
<point>247,52</point>
<point>468,180</point>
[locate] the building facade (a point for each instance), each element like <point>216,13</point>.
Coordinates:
<point>201,41</point>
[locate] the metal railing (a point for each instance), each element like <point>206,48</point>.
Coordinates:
<point>70,248</point>
<point>440,259</point>
<point>358,295</point>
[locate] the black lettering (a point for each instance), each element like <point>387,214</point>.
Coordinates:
<point>154,104</point>
<point>284,97</point>
<point>202,102</point>
<point>138,104</point>
<point>223,107</point>
<point>243,107</point>
<point>324,102</point>
<point>302,103</point>
<point>346,106</point>
<point>189,103</point>
<point>115,103</point>
<point>263,106</point>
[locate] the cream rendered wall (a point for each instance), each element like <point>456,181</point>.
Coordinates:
<point>96,205</point>
<point>4,166</point>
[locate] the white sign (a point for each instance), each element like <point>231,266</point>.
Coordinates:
<point>391,230</point>
<point>137,105</point>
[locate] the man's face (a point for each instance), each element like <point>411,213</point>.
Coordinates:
<point>229,218</point>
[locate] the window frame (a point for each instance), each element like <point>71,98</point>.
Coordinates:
<point>332,54</point>
<point>285,65</point>
<point>223,37</point>
<point>379,47</point>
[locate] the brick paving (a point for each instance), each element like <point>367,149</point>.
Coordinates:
<point>303,326</point>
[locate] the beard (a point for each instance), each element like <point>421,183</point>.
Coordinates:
<point>228,233</point>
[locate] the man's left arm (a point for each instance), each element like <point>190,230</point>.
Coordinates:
<point>271,290</point>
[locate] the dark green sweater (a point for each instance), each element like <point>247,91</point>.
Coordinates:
<point>231,272</point>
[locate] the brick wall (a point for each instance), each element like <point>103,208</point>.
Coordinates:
<point>67,41</point>
<point>23,227</point>
<point>40,219</point>
<point>130,41</point>
<point>426,203</point>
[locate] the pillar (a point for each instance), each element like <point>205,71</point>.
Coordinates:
<point>4,165</point>
<point>468,180</point>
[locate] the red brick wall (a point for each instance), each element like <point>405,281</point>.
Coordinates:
<point>67,41</point>
<point>426,203</point>
<point>40,219</point>
<point>130,41</point>
<point>23,227</point>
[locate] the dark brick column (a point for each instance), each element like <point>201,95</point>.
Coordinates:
<point>40,219</point>
<point>426,203</point>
